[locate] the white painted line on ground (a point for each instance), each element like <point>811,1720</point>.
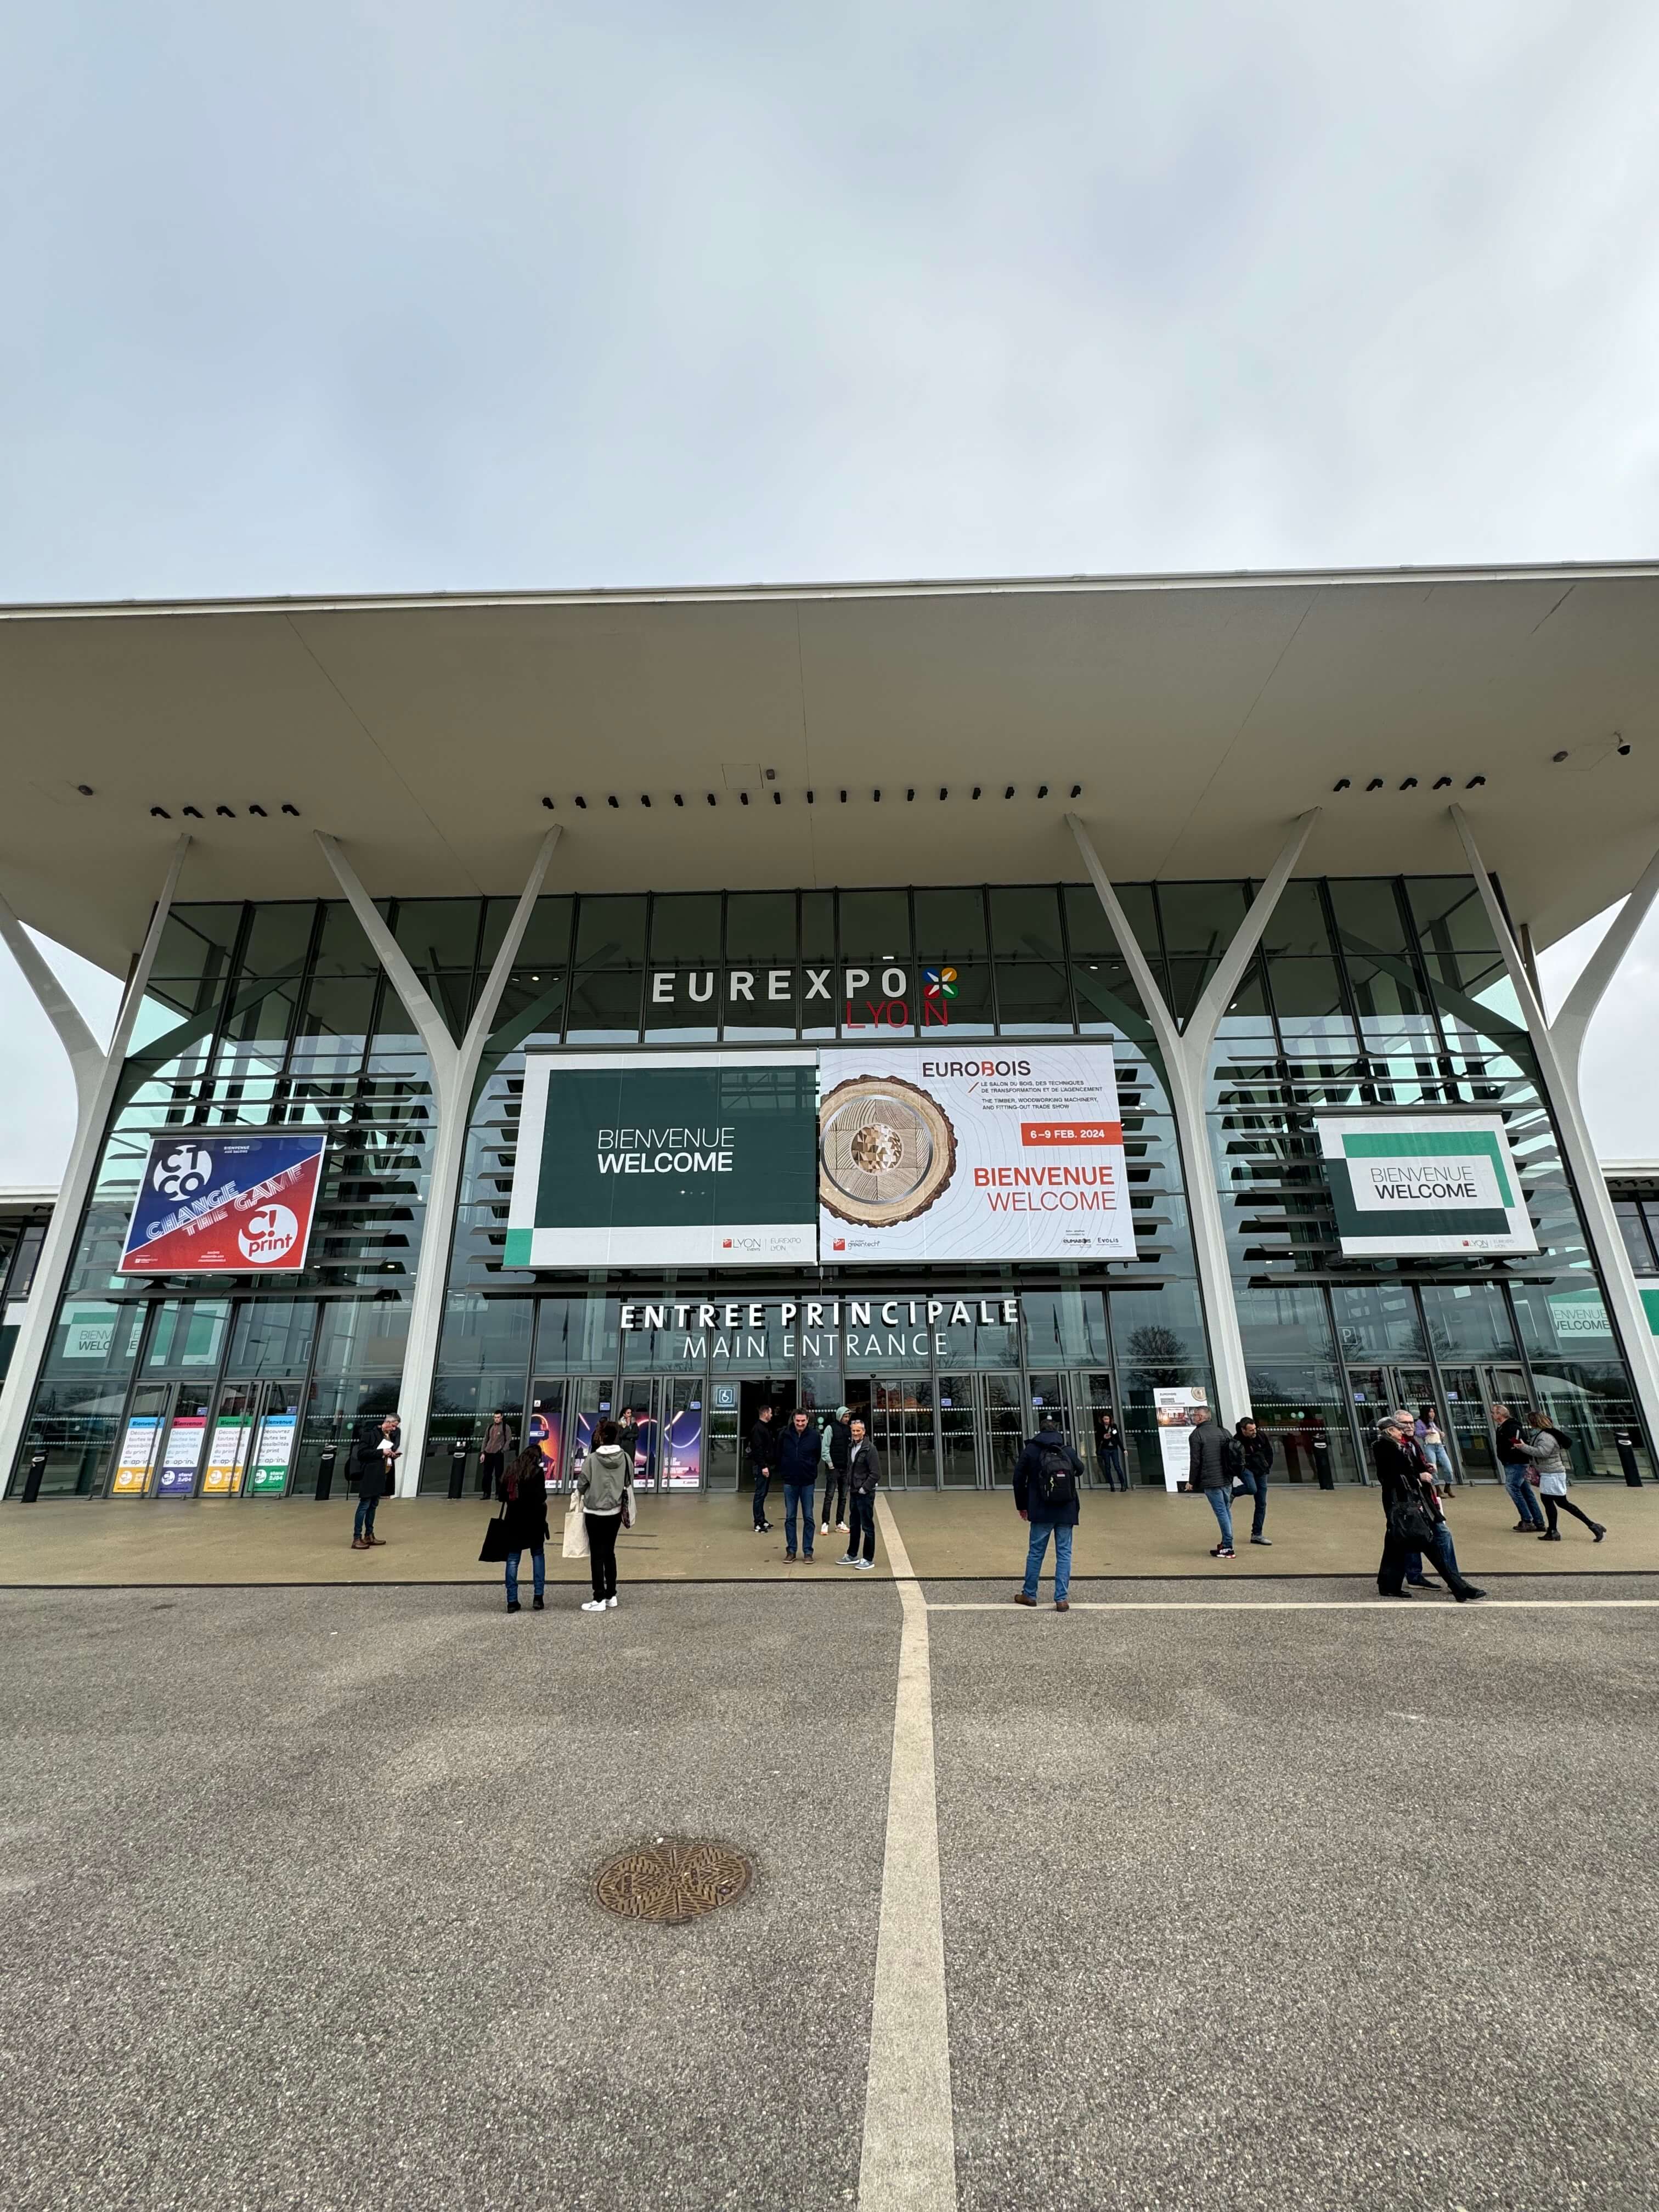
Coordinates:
<point>909,2161</point>
<point>1295,1605</point>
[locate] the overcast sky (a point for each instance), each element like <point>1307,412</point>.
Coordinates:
<point>413,296</point>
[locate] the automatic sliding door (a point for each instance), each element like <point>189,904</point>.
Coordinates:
<point>1002,1426</point>
<point>958,1448</point>
<point>679,1413</point>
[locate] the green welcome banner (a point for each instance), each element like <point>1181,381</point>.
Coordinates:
<point>1424,1185</point>
<point>689,1159</point>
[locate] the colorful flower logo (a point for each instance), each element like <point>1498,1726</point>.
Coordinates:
<point>939,982</point>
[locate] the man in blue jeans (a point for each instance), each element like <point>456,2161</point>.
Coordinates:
<point>1517,1471</point>
<point>797,1463</point>
<point>1047,1483</point>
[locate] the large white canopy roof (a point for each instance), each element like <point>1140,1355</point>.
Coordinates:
<point>1199,714</point>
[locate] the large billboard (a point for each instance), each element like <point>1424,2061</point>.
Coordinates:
<point>669,1160</point>
<point>971,1153</point>
<point>1424,1185</point>
<point>236,1204</point>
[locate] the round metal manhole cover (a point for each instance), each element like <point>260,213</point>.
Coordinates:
<point>672,1880</point>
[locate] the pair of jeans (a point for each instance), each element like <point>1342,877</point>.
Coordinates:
<point>762,1483</point>
<point>364,1527</point>
<point>834,1497</point>
<point>602,1529</point>
<point>798,1499</point>
<point>1111,1466</point>
<point>1440,1461</point>
<point>862,1507</point>
<point>1221,1506</point>
<point>1036,1551</point>
<point>538,1572</point>
<point>1255,1486</point>
<point>1516,1482</point>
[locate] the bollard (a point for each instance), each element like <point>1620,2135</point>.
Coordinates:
<point>1321,1460</point>
<point>1626,1450</point>
<point>456,1470</point>
<point>32,1481</point>
<point>326,1472</point>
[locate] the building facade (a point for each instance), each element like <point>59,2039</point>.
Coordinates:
<point>1263,861</point>
<point>1366,995</point>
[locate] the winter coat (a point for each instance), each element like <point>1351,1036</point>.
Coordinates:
<point>763,1445</point>
<point>526,1515</point>
<point>1256,1452</point>
<point>864,1468</point>
<point>1212,1458</point>
<point>1028,1471</point>
<point>1512,1452</point>
<point>1549,1461</point>
<point>797,1459</point>
<point>607,1473</point>
<point>1400,1480</point>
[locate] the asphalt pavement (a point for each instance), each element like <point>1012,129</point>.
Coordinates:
<point>1260,1907</point>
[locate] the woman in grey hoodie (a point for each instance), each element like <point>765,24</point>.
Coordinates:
<point>606,1484</point>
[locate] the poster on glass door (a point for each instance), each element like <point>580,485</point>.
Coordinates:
<point>1178,1411</point>
<point>273,1454</point>
<point>226,1456</point>
<point>136,1458</point>
<point>181,1455</point>
<point>937,1154</point>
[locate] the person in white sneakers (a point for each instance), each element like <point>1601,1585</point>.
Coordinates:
<point>863,1480</point>
<point>836,1451</point>
<point>606,1483</point>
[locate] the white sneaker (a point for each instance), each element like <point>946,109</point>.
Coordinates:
<point>824,1531</point>
<point>611,1605</point>
<point>842,1526</point>
<point>592,1605</point>
<point>864,1566</point>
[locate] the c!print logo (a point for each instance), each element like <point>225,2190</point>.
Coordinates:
<point>268,1234</point>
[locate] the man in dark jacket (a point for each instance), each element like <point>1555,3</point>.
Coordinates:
<point>1517,1471</point>
<point>378,1449</point>
<point>1048,1481</point>
<point>1404,1493</point>
<point>762,1450</point>
<point>1212,1460</point>
<point>863,1477</point>
<point>797,1463</point>
<point>1255,1453</point>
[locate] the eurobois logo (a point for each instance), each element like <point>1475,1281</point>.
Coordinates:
<point>270,1233</point>
<point>181,1173</point>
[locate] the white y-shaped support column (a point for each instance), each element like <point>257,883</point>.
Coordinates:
<point>1186,1061</point>
<point>454,1068</point>
<point>97,1072</point>
<point>1559,1046</point>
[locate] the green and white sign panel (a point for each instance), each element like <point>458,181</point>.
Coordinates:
<point>1424,1185</point>
<point>680,1160</point>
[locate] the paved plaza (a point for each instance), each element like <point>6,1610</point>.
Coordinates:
<point>1273,1897</point>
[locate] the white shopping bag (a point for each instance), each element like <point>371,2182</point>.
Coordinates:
<point>575,1529</point>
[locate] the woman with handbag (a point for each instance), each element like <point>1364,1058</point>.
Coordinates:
<point>523,1493</point>
<point>1414,1515</point>
<point>1548,1448</point>
<point>605,1481</point>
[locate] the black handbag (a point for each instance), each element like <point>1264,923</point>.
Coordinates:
<point>1409,1524</point>
<point>496,1545</point>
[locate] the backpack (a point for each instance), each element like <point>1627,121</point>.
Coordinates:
<point>1056,1479</point>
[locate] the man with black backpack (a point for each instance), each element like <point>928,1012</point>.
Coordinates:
<point>1047,1482</point>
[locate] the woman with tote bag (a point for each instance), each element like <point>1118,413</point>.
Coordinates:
<point>524,1517</point>
<point>605,1481</point>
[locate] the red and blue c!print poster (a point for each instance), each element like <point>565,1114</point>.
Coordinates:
<point>240,1204</point>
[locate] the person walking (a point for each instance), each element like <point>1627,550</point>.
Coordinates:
<point>605,1481</point>
<point>1432,1437</point>
<point>762,1450</point>
<point>1256,1455</point>
<point>1109,1443</point>
<point>1412,1517</point>
<point>834,1456</point>
<point>863,1480</point>
<point>1212,1461</point>
<point>498,1441</point>
<point>797,1464</point>
<point>1550,1452</point>
<point>378,1454</point>
<point>522,1490</point>
<point>1047,1485</point>
<point>1515,1462</point>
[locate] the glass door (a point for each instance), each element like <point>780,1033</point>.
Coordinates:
<point>902,1429</point>
<point>138,1451</point>
<point>679,1411</point>
<point>274,1460</point>
<point>546,1427</point>
<point>184,1443</point>
<point>225,1468</point>
<point>1002,1427</point>
<point>957,1433</point>
<point>592,1401</point>
<point>1094,1404</point>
